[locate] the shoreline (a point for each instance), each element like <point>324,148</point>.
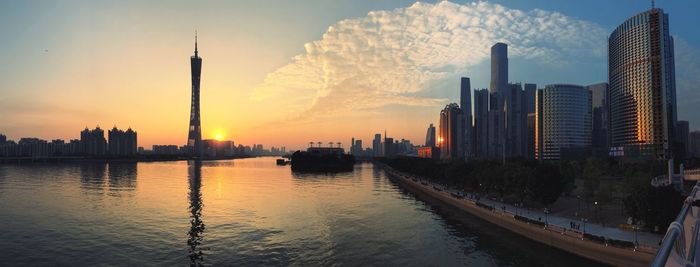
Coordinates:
<point>28,160</point>
<point>564,239</point>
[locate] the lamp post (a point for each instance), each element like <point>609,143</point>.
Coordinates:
<point>595,209</point>
<point>578,197</point>
<point>636,242</point>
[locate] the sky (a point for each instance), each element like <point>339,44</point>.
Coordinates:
<point>284,73</point>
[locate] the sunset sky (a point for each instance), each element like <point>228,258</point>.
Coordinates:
<point>290,72</point>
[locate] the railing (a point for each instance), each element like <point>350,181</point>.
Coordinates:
<point>674,240</point>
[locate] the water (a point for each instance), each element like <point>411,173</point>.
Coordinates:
<point>246,212</point>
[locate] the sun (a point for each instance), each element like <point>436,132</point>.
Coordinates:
<point>219,136</point>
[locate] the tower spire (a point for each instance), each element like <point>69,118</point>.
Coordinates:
<point>195,43</point>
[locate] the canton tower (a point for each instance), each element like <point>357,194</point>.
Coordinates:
<point>194,139</point>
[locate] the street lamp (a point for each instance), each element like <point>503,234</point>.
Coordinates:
<point>595,209</point>
<point>578,197</point>
<point>636,242</point>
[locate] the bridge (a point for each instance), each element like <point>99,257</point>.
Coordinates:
<point>679,246</point>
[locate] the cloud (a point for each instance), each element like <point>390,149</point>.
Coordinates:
<point>389,57</point>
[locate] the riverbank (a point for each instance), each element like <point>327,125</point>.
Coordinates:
<point>574,241</point>
<point>24,160</point>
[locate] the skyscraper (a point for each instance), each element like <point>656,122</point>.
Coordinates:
<point>377,145</point>
<point>601,121</point>
<point>642,84</point>
<point>499,67</point>
<point>430,136</point>
<point>92,142</point>
<point>451,137</point>
<point>481,123</point>
<point>514,120</point>
<point>682,134</point>
<point>567,119</point>
<point>496,114</point>
<point>539,125</point>
<point>194,138</point>
<point>465,103</point>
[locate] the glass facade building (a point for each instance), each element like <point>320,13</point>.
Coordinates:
<point>642,91</point>
<point>451,137</point>
<point>566,123</point>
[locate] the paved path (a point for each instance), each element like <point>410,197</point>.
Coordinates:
<point>643,238</point>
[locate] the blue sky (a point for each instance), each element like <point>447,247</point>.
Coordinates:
<point>296,65</point>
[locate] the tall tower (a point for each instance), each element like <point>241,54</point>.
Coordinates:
<point>642,84</point>
<point>194,139</point>
<point>465,102</point>
<point>499,67</point>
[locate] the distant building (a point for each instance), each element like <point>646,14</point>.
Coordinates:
<point>3,139</point>
<point>377,145</point>
<point>465,103</point>
<point>451,137</point>
<point>499,67</point>
<point>122,143</point>
<point>428,152</point>
<point>539,125</point>
<point>481,126</point>
<point>92,142</point>
<point>683,133</point>
<point>642,84</point>
<point>694,144</point>
<point>601,118</point>
<point>389,149</point>
<point>531,135</point>
<point>194,137</point>
<point>430,136</point>
<point>514,121</point>
<point>216,148</point>
<point>567,119</point>
<point>166,150</point>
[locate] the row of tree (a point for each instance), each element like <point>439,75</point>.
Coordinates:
<point>604,181</point>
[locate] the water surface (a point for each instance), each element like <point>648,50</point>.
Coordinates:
<point>246,212</point>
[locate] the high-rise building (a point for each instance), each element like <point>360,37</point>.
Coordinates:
<point>601,121</point>
<point>389,147</point>
<point>567,119</point>
<point>694,144</point>
<point>92,142</point>
<point>682,134</point>
<point>514,121</point>
<point>481,123</point>
<point>194,138</point>
<point>465,103</point>
<point>451,137</point>
<point>377,145</point>
<point>121,143</point>
<point>430,136</point>
<point>539,124</point>
<point>530,94</point>
<point>642,85</point>
<point>499,67</point>
<point>496,115</point>
<point>529,108</point>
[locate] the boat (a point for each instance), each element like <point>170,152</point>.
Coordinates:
<point>322,159</point>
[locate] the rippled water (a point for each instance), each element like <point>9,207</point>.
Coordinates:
<point>239,213</point>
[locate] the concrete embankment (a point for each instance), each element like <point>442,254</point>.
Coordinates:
<point>552,235</point>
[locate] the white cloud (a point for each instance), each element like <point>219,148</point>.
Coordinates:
<point>389,57</point>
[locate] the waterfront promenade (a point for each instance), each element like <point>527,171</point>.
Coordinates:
<point>604,244</point>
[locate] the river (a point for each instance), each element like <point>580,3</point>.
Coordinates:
<point>243,212</point>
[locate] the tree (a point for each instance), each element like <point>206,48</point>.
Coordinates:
<point>545,184</point>
<point>592,175</point>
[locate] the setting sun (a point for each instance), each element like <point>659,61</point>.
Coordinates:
<point>219,136</point>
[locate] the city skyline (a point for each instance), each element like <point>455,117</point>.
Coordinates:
<point>117,91</point>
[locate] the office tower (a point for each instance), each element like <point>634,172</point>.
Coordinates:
<point>567,119</point>
<point>496,114</point>
<point>376,145</point>
<point>465,103</point>
<point>642,86</point>
<point>3,139</point>
<point>682,134</point>
<point>430,136</point>
<point>694,144</point>
<point>92,142</point>
<point>499,67</point>
<point>530,94</point>
<point>451,137</point>
<point>601,122</point>
<point>514,120</point>
<point>357,148</point>
<point>481,125</point>
<point>389,147</point>
<point>194,138</point>
<point>539,124</point>
<point>529,107</point>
